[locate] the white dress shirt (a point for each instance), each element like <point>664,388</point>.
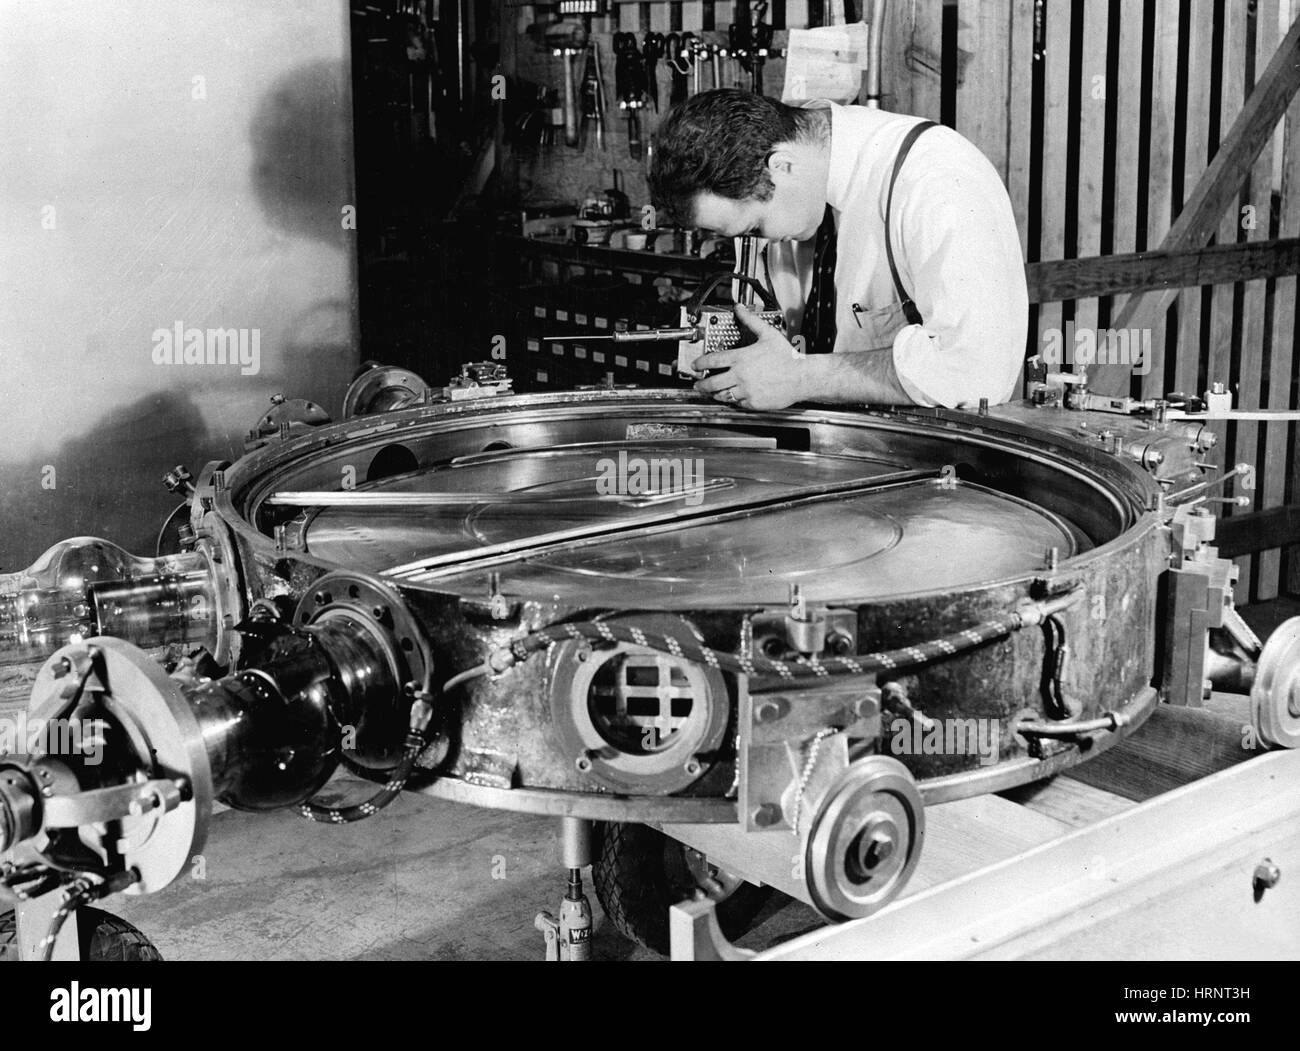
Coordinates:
<point>956,248</point>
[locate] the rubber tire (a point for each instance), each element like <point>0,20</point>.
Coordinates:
<point>640,873</point>
<point>105,938</point>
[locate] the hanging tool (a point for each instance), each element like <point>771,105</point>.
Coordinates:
<point>593,98</point>
<point>651,52</point>
<point>567,39</point>
<point>677,55</point>
<point>740,42</point>
<point>698,50</point>
<point>762,44</point>
<point>629,85</point>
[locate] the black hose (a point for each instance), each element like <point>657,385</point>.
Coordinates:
<point>391,789</point>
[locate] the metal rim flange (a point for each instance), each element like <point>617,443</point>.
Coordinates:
<point>865,840</point>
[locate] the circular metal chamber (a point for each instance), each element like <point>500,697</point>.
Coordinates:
<point>499,516</point>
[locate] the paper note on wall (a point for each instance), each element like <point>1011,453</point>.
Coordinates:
<point>825,63</point>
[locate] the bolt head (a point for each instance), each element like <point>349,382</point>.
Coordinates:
<point>877,849</point>
<point>766,814</point>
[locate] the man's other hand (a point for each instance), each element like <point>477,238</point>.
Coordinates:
<point>767,374</point>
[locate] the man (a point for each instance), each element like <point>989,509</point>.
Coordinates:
<point>739,163</point>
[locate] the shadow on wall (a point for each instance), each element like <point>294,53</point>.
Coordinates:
<point>93,485</point>
<point>291,277</point>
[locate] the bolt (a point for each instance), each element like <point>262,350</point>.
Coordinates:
<point>1266,875</point>
<point>876,850</point>
<point>1053,558</point>
<point>583,763</point>
<point>277,399</point>
<point>61,668</point>
<point>379,612</point>
<point>768,712</point>
<point>692,767</point>
<point>766,815</point>
<point>839,644</point>
<point>984,406</point>
<point>323,598</point>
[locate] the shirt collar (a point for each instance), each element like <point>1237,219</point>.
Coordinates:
<point>840,171</point>
<point>839,175</point>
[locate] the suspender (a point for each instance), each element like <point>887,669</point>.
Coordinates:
<point>909,308</point>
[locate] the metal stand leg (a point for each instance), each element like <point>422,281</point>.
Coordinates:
<point>569,937</point>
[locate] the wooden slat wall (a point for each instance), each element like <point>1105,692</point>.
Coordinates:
<point>1154,154</point>
<point>1198,69</point>
<point>1093,91</point>
<point>1283,367</point>
<point>984,30</point>
<point>1160,159</point>
<point>1222,301</point>
<point>1020,101</point>
<point>1056,133</point>
<point>1250,373</point>
<point>1128,133</point>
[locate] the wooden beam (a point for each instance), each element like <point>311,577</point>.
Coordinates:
<point>1216,190</point>
<point>1259,531</point>
<point>1063,279</point>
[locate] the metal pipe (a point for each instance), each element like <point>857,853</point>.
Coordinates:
<point>876,52</point>
<point>575,842</point>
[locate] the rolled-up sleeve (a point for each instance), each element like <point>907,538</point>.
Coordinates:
<point>960,260</point>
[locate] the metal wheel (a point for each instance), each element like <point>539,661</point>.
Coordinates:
<point>1275,697</point>
<point>865,840</point>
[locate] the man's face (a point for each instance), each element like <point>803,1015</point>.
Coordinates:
<point>792,213</point>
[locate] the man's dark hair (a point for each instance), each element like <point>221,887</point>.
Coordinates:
<point>719,142</point>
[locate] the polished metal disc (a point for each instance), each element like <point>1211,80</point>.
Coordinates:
<point>896,540</point>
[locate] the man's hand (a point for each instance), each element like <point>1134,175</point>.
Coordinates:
<point>767,374</point>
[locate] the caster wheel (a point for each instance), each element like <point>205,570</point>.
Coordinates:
<point>640,873</point>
